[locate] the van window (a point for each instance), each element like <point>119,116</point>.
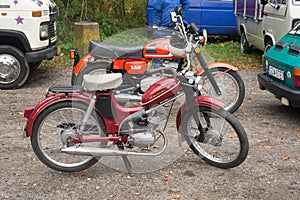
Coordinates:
<point>282,2</point>
<point>295,31</point>
<point>296,2</point>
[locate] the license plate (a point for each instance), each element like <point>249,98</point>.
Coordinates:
<point>277,73</point>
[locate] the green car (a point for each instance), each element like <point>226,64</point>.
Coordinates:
<point>281,65</point>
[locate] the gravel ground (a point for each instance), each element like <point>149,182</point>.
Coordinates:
<point>271,170</point>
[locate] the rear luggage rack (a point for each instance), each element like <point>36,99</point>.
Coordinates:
<point>66,89</point>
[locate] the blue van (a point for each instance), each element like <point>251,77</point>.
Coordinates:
<point>216,16</point>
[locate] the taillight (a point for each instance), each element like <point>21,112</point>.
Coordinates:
<point>297,77</point>
<point>72,53</point>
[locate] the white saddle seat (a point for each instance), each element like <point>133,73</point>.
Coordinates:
<point>101,81</point>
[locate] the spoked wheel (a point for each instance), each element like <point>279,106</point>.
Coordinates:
<point>55,128</point>
<point>231,85</point>
<point>224,142</point>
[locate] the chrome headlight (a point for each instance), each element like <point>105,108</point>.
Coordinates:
<point>44,31</point>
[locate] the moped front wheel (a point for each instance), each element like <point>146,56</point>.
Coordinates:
<point>54,129</point>
<point>231,86</point>
<point>223,143</point>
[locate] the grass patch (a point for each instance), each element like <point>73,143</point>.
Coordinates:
<point>58,62</point>
<point>229,51</point>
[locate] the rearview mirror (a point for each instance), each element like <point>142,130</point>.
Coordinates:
<point>173,17</point>
<point>264,2</point>
<point>204,33</point>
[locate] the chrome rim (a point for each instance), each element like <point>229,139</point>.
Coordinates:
<point>10,69</point>
<point>226,149</point>
<point>50,141</point>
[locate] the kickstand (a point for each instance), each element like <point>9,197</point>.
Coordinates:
<point>127,164</point>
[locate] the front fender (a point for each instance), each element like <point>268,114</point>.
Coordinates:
<point>32,113</point>
<point>218,65</point>
<point>206,101</point>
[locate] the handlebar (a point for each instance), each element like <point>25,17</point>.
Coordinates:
<point>187,30</point>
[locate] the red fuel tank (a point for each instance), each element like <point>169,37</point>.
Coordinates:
<point>158,48</point>
<point>161,90</point>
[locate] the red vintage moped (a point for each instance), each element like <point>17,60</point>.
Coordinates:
<point>74,127</point>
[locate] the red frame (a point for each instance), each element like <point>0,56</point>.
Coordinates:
<point>112,125</point>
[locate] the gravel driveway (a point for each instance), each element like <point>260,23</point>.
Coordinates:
<point>271,170</point>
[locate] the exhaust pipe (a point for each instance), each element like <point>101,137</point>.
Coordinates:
<point>93,151</point>
<point>97,152</point>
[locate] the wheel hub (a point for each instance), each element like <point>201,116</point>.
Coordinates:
<point>212,137</point>
<point>9,68</point>
<point>67,137</point>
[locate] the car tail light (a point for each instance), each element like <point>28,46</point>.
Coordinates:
<point>297,77</point>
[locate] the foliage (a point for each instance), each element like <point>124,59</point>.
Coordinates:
<point>113,16</point>
<point>132,36</point>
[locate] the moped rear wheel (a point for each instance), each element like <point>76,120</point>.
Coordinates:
<point>224,142</point>
<point>93,68</point>
<point>54,129</point>
<point>231,86</point>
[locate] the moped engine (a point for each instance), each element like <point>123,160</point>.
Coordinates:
<point>143,129</point>
<point>142,140</point>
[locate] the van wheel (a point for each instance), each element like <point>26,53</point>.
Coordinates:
<point>14,68</point>
<point>245,47</point>
<point>268,45</point>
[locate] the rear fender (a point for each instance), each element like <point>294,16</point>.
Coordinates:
<point>32,113</point>
<point>206,101</point>
<point>82,63</point>
<point>218,65</point>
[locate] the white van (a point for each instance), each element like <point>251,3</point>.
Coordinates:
<point>261,23</point>
<point>27,36</point>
